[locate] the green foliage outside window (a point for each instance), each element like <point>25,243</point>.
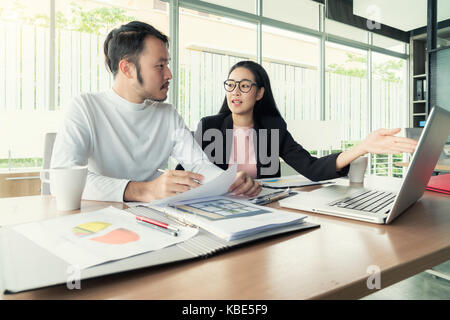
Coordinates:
<point>96,21</point>
<point>386,70</point>
<point>20,163</point>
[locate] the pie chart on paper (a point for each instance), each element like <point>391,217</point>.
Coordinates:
<point>117,236</point>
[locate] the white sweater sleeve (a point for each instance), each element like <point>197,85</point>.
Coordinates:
<point>72,147</point>
<point>104,188</point>
<point>190,154</point>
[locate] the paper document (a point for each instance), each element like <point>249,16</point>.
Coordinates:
<point>264,192</point>
<point>88,239</point>
<point>290,182</point>
<point>230,218</point>
<point>216,187</point>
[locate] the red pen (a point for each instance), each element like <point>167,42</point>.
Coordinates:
<point>156,223</point>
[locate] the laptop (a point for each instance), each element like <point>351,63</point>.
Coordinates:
<point>382,206</point>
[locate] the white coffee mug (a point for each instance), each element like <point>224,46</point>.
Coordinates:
<point>67,185</point>
<point>357,170</point>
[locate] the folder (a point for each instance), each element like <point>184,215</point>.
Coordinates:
<point>440,183</point>
<point>26,265</point>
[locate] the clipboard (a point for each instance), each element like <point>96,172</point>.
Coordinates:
<point>27,266</point>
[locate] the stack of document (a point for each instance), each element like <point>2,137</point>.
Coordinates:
<point>227,217</point>
<point>231,219</point>
<point>215,187</point>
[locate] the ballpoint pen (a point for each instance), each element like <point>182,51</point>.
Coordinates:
<point>266,195</point>
<point>162,212</point>
<point>159,225</point>
<point>272,197</point>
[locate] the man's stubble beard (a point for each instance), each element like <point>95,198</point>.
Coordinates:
<point>141,83</point>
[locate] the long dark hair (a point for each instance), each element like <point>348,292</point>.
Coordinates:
<point>266,106</point>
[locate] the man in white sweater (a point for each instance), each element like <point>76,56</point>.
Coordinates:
<point>127,133</point>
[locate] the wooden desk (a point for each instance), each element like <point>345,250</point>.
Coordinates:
<point>330,262</point>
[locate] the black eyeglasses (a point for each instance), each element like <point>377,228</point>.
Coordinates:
<point>244,85</point>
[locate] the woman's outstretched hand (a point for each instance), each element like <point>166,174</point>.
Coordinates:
<point>379,141</point>
<point>384,141</point>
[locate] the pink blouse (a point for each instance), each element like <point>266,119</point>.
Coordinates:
<point>243,150</point>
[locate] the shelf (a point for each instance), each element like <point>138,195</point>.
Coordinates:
<point>419,108</point>
<point>418,78</point>
<point>417,119</point>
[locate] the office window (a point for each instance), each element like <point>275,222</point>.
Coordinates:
<point>160,5</point>
<point>26,112</point>
<point>303,13</point>
<point>389,106</point>
<point>345,31</point>
<point>208,47</point>
<point>388,43</point>
<point>292,62</point>
<point>242,5</point>
<point>80,33</point>
<point>24,38</point>
<point>24,94</point>
<point>346,90</point>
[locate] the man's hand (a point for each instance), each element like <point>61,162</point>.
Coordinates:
<point>166,185</point>
<point>245,185</point>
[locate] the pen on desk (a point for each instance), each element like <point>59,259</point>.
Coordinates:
<point>273,197</point>
<point>172,233</point>
<point>170,217</point>
<point>267,195</point>
<point>158,224</point>
<point>278,197</point>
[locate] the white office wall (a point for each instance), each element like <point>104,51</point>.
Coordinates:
<point>388,11</point>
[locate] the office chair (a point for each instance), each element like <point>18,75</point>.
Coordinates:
<point>314,135</point>
<point>48,150</point>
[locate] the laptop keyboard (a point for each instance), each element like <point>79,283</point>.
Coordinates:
<point>370,201</point>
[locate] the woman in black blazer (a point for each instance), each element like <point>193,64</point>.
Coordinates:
<point>249,105</point>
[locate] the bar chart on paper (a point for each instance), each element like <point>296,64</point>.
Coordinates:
<point>117,236</point>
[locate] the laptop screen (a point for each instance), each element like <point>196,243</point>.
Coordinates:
<point>431,142</point>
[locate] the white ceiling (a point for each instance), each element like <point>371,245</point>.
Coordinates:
<point>405,15</point>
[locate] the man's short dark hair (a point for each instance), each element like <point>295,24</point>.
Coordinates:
<point>127,42</point>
